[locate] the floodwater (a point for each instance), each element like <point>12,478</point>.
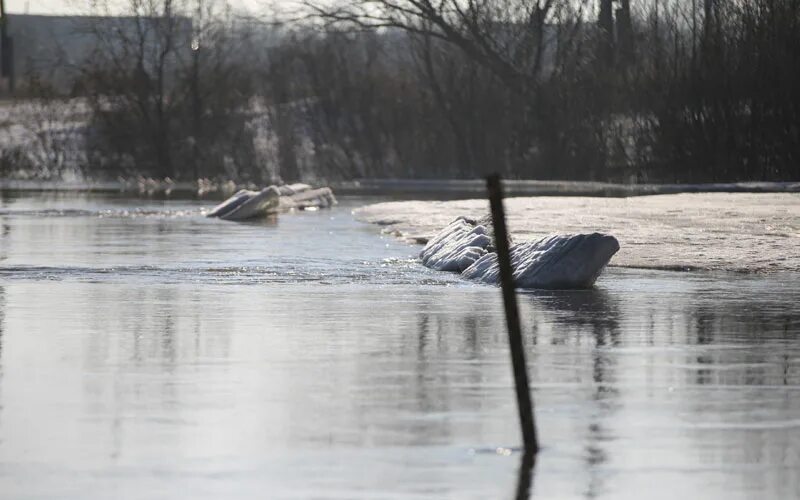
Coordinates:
<point>149,352</point>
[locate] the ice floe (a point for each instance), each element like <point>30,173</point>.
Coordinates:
<point>558,261</point>
<point>246,204</point>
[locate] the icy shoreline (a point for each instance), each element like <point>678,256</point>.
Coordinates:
<point>476,188</point>
<point>740,232</point>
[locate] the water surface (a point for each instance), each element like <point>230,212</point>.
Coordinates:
<point>149,352</point>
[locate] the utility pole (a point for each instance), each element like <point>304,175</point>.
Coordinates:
<point>6,49</point>
<point>196,103</point>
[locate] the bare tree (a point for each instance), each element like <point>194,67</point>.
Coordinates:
<point>170,85</point>
<point>131,78</point>
<point>507,36</point>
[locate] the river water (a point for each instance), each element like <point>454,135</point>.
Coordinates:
<point>149,352</point>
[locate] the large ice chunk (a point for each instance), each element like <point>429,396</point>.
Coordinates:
<point>307,199</point>
<point>247,204</point>
<point>457,247</point>
<point>231,203</point>
<point>559,261</point>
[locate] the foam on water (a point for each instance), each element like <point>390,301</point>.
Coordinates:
<point>103,213</point>
<point>327,272</point>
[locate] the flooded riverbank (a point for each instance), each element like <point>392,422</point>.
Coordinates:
<point>149,352</point>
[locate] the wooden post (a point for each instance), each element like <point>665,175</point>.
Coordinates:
<point>196,103</point>
<point>525,476</point>
<point>512,316</point>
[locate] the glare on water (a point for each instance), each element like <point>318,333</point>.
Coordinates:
<point>149,352</point>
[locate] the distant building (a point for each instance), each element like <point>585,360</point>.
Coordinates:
<point>51,49</point>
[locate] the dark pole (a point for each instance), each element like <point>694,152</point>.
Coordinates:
<point>512,316</point>
<point>196,104</point>
<point>525,477</point>
<point>6,49</point>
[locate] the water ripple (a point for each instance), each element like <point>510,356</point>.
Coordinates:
<point>104,213</point>
<point>398,272</point>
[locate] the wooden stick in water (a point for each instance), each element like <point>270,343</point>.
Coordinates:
<point>512,316</point>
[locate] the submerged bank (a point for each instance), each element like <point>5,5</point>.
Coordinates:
<point>406,188</point>
<point>741,232</point>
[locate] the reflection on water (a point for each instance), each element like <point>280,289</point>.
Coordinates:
<point>527,462</point>
<point>310,358</point>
